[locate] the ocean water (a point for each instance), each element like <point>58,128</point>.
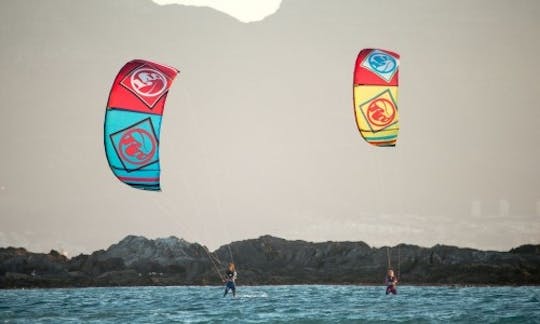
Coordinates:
<point>272,304</point>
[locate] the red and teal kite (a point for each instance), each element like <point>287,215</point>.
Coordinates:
<point>133,122</point>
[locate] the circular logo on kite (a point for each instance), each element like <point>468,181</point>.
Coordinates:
<point>148,82</point>
<point>381,112</point>
<point>382,63</point>
<point>137,146</point>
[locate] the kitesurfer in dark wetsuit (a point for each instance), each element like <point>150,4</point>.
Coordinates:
<point>230,278</point>
<point>390,281</point>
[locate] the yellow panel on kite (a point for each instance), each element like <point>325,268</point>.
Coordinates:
<point>376,113</point>
<point>375,93</point>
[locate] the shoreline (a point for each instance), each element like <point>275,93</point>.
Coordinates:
<point>451,286</point>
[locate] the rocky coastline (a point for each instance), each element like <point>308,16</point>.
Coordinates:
<point>267,260</point>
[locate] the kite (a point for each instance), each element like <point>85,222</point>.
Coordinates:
<point>375,93</point>
<point>133,122</point>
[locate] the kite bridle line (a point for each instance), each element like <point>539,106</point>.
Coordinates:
<point>214,264</point>
<point>214,260</point>
<point>399,176</point>
<point>388,257</point>
<point>209,177</point>
<point>166,211</point>
<point>382,193</point>
<point>399,263</point>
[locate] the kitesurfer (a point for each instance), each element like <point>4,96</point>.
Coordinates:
<point>230,278</point>
<point>390,281</point>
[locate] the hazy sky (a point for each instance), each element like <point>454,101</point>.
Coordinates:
<point>259,135</point>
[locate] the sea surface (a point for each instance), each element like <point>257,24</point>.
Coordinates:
<point>272,304</point>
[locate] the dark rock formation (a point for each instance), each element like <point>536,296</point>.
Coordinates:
<point>136,260</point>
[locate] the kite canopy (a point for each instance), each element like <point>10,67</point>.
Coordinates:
<point>375,93</point>
<point>133,122</point>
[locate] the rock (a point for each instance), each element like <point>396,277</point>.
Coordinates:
<point>120,278</point>
<point>526,249</point>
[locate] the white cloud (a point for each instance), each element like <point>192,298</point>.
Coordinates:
<point>244,10</point>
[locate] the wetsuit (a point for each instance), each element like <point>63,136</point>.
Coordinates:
<point>390,284</point>
<point>230,277</point>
